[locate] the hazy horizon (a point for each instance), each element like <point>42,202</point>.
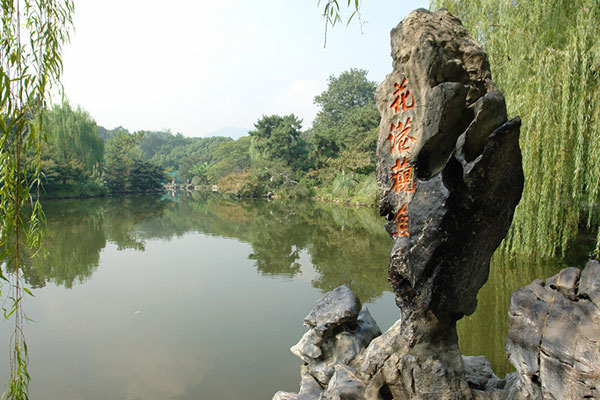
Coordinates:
<point>198,69</point>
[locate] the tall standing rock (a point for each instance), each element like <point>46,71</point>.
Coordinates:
<point>450,176</point>
<point>449,171</point>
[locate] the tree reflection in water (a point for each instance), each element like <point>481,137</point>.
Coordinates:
<point>345,245</point>
<point>332,244</point>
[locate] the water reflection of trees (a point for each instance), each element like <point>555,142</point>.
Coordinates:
<point>345,245</point>
<point>72,243</point>
<point>76,232</point>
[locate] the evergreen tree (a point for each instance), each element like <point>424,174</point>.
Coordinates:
<point>277,139</point>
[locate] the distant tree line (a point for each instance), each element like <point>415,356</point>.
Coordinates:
<point>334,159</point>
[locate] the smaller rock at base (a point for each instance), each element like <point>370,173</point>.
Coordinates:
<point>308,346</point>
<point>286,396</point>
<point>345,385</point>
<point>309,388</point>
<point>333,309</point>
<point>480,374</point>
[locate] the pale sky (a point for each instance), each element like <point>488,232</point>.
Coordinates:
<point>195,67</point>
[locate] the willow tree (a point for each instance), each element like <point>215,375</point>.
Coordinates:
<point>31,39</point>
<point>72,135</point>
<point>333,13</point>
<point>545,56</point>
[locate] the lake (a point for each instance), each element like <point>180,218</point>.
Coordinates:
<point>201,297</point>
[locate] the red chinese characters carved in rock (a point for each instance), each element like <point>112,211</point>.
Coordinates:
<point>402,173</point>
<point>399,138</point>
<point>402,96</point>
<point>401,221</point>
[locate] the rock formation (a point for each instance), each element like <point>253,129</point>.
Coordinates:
<point>553,342</point>
<point>553,339</point>
<point>449,172</point>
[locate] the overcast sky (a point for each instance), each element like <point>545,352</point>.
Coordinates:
<point>196,67</point>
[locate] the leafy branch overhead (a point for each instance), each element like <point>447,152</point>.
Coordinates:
<point>33,33</point>
<point>332,13</point>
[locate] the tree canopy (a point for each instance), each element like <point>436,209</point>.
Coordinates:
<point>277,138</point>
<point>345,127</point>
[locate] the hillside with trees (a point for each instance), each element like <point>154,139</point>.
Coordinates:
<point>333,160</point>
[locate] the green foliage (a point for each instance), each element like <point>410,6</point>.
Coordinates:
<point>275,157</point>
<point>72,154</point>
<point>346,188</point>
<point>200,173</point>
<point>118,161</point>
<point>241,184</point>
<point>348,90</point>
<point>342,186</point>
<point>366,191</point>
<point>333,15</point>
<point>30,63</point>
<point>331,11</point>
<point>177,152</point>
<point>72,136</point>
<point>545,55</point>
<point>106,134</point>
<point>69,180</point>
<point>346,124</point>
<point>145,177</point>
<point>230,157</point>
<point>355,161</point>
<point>125,171</point>
<point>277,138</point>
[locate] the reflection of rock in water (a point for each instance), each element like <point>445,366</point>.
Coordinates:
<point>449,170</point>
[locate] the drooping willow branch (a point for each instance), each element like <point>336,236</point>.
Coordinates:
<point>545,58</point>
<point>31,40</point>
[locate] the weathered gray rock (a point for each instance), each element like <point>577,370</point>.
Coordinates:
<point>380,349</point>
<point>424,376</point>
<point>281,395</point>
<point>309,346</point>
<point>554,335</point>
<point>449,171</point>
<point>345,385</point>
<point>322,349</point>
<point>309,390</point>
<point>337,333</point>
<point>335,308</point>
<point>480,375</point>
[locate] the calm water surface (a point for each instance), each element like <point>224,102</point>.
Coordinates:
<point>200,298</point>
